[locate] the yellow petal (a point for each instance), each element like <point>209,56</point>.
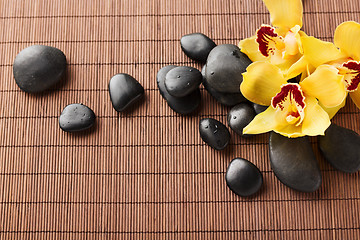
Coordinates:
<point>347,38</point>
<point>261,82</point>
<point>250,47</point>
<point>318,52</point>
<point>263,122</point>
<point>297,68</point>
<point>326,85</point>
<point>332,111</point>
<point>355,96</point>
<point>316,119</point>
<point>285,14</point>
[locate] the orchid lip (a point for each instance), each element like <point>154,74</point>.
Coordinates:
<point>351,72</point>
<point>266,36</point>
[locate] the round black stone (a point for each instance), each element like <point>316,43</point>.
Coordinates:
<point>341,148</point>
<point>197,46</point>
<point>38,67</point>
<point>259,108</point>
<point>76,117</point>
<point>182,105</point>
<point>243,177</point>
<point>240,116</point>
<point>124,91</point>
<point>181,81</point>
<point>293,162</point>
<point>227,99</point>
<point>224,68</point>
<point>214,133</point>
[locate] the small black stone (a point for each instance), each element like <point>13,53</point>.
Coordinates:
<point>243,177</point>
<point>197,46</point>
<point>240,116</point>
<point>341,148</point>
<point>181,81</point>
<point>227,99</point>
<point>76,117</point>
<point>224,68</point>
<point>214,133</point>
<point>259,108</point>
<point>183,105</point>
<point>293,162</point>
<point>38,67</point>
<point>124,91</point>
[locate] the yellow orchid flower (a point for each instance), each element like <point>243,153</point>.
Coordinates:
<point>292,112</point>
<point>337,66</point>
<point>281,44</point>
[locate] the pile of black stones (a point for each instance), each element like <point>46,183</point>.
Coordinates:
<point>38,68</point>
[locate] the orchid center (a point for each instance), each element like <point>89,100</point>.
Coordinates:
<point>290,101</point>
<point>351,72</point>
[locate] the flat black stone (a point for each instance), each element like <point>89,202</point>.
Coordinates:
<point>240,116</point>
<point>243,177</point>
<point>76,117</point>
<point>341,148</point>
<point>124,91</point>
<point>226,99</point>
<point>38,68</point>
<point>293,162</point>
<point>214,133</point>
<point>183,105</point>
<point>181,81</point>
<point>224,68</point>
<point>259,108</point>
<point>197,46</point>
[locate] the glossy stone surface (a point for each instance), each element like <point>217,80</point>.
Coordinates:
<point>76,117</point>
<point>38,68</point>
<point>214,133</point>
<point>243,177</point>
<point>224,68</point>
<point>259,108</point>
<point>197,46</point>
<point>227,99</point>
<point>184,105</point>
<point>181,81</point>
<point>124,91</point>
<point>341,148</point>
<point>240,116</point>
<point>293,162</point>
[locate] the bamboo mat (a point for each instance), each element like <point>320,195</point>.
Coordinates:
<point>146,174</point>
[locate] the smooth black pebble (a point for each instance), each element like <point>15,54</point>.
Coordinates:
<point>38,67</point>
<point>197,46</point>
<point>214,133</point>
<point>240,116</point>
<point>76,117</point>
<point>227,99</point>
<point>243,177</point>
<point>224,68</point>
<point>183,105</point>
<point>124,91</point>
<point>294,163</point>
<point>259,108</point>
<point>341,148</point>
<point>181,81</point>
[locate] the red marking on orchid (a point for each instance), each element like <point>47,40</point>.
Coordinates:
<point>352,83</point>
<point>292,90</point>
<point>264,35</point>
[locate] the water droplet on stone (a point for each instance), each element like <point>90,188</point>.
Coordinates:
<point>212,73</point>
<point>178,76</point>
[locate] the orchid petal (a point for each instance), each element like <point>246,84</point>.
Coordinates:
<point>285,14</point>
<point>332,111</point>
<point>297,68</point>
<point>347,38</point>
<point>263,122</point>
<point>355,96</point>
<point>326,85</point>
<point>318,52</point>
<point>261,82</point>
<point>250,47</point>
<point>316,119</point>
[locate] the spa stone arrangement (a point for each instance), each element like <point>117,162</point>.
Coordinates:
<point>254,85</point>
